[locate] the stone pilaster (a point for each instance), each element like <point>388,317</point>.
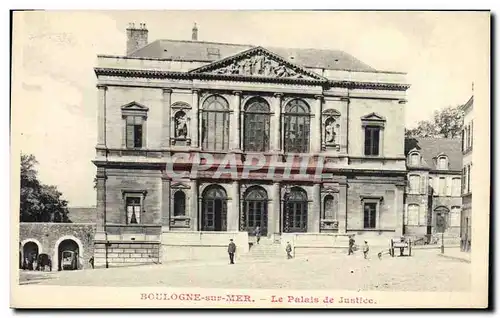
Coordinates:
<point>101,116</point>
<point>342,208</point>
<point>274,210</point>
<point>233,214</point>
<point>195,129</point>
<point>399,208</point>
<point>165,203</point>
<point>193,211</point>
<point>236,126</point>
<point>314,214</point>
<point>316,126</point>
<point>276,123</point>
<point>101,205</point>
<point>166,122</point>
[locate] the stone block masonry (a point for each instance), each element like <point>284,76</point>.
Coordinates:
<point>126,253</point>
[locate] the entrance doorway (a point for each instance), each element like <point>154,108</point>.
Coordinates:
<point>68,245</point>
<point>30,253</point>
<point>214,209</point>
<point>254,212</point>
<point>442,219</point>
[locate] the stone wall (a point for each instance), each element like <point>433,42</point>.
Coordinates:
<point>126,254</point>
<point>48,236</point>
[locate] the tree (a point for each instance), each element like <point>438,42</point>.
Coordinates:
<point>446,123</point>
<point>39,202</point>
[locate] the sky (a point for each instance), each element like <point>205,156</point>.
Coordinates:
<point>55,53</point>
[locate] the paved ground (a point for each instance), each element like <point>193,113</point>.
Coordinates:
<point>425,271</point>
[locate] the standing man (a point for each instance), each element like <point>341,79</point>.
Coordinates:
<point>288,250</point>
<point>231,249</point>
<point>365,249</point>
<point>351,245</point>
<point>257,234</point>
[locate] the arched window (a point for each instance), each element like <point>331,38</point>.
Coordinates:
<point>179,203</point>
<point>295,211</point>
<point>256,130</point>
<point>296,122</point>
<point>442,217</point>
<point>329,208</point>
<point>414,159</point>
<point>214,209</point>
<point>215,124</point>
<point>442,162</point>
<point>254,210</point>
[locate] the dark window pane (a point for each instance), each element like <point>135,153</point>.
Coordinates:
<point>179,203</point>
<point>137,136</point>
<point>370,211</point>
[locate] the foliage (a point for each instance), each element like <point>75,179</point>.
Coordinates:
<point>39,202</point>
<point>446,123</point>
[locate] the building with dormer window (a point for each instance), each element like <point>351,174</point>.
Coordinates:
<point>433,201</point>
<point>168,105</point>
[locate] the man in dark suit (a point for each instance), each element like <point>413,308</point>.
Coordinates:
<point>231,249</point>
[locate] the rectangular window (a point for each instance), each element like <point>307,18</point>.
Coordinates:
<point>468,179</point>
<point>455,187</point>
<point>463,139</point>
<point>431,186</point>
<point>370,214</point>
<point>133,205</point>
<point>455,216</point>
<point>413,214</point>
<point>372,140</point>
<point>134,132</point>
<point>471,133</point>
<point>442,186</point>
<point>414,184</point>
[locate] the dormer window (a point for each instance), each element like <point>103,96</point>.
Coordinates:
<point>414,159</point>
<point>442,162</point>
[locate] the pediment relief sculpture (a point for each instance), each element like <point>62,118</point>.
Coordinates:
<point>260,65</point>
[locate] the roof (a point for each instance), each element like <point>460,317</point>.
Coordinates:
<point>200,51</point>
<point>469,105</point>
<point>430,148</point>
<point>82,214</point>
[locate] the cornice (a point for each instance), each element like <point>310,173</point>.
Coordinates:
<point>158,74</point>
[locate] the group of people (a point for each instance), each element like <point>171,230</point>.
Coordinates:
<point>352,242</point>
<point>231,249</point>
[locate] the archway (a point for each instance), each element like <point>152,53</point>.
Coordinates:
<point>254,212</point>
<point>214,211</point>
<point>31,249</point>
<point>442,217</point>
<point>68,243</point>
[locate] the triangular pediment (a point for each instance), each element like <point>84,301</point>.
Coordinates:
<point>135,106</point>
<point>257,62</point>
<point>373,117</point>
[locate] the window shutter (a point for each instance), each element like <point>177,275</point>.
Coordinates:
<point>376,137</point>
<point>448,186</point>
<point>367,140</point>
<point>130,136</point>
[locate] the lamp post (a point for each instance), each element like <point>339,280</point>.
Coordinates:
<point>442,242</point>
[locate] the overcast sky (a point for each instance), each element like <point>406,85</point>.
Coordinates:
<point>439,51</point>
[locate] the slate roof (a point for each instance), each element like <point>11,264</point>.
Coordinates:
<point>205,52</point>
<point>82,214</point>
<point>430,148</point>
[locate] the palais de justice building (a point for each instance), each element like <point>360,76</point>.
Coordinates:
<point>190,98</point>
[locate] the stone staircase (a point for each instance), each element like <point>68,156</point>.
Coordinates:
<point>266,249</point>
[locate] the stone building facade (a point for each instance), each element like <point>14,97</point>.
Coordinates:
<point>433,201</point>
<point>312,142</point>
<point>467,141</point>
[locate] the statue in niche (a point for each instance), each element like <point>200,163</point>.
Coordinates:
<point>181,125</point>
<point>330,131</point>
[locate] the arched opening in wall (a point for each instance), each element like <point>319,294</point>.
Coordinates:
<point>254,212</point>
<point>68,255</point>
<point>442,217</point>
<point>30,252</point>
<point>214,211</point>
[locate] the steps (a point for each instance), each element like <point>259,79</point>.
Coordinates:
<point>266,249</point>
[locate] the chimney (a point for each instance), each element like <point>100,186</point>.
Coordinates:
<point>194,36</point>
<point>136,37</point>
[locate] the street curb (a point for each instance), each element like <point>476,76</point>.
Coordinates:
<point>455,258</point>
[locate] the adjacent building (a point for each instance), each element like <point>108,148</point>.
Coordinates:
<point>167,105</point>
<point>467,140</point>
<point>433,201</point>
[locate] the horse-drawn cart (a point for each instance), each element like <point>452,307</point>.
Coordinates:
<point>402,244</point>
